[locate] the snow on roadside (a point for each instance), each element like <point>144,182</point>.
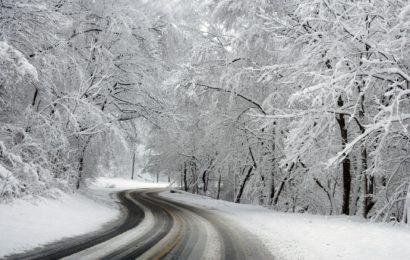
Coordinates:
<point>124,184</point>
<point>26,224</point>
<point>304,236</point>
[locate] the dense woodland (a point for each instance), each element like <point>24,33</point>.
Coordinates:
<point>297,105</point>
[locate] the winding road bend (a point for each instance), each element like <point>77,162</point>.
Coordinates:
<point>158,228</point>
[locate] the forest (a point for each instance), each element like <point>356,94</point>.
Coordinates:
<point>296,105</point>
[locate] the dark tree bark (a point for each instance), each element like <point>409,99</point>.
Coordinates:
<point>346,174</point>
<point>205,176</point>
<point>243,184</point>
<point>272,189</point>
<point>185,178</point>
<point>33,103</point>
<point>219,187</point>
<point>280,189</point>
<point>80,170</point>
<point>282,185</point>
<point>205,181</point>
<point>275,168</point>
<point>367,180</point>
<point>368,186</point>
<point>328,194</point>
<point>81,163</point>
<point>133,166</point>
<point>194,178</point>
<point>246,178</point>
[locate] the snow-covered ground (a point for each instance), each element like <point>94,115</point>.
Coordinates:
<point>26,224</point>
<point>303,236</point>
<point>112,184</point>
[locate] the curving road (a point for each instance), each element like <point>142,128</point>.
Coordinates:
<point>157,228</point>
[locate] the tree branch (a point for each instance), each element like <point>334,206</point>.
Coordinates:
<point>254,103</point>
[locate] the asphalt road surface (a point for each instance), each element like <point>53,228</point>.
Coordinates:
<point>153,227</point>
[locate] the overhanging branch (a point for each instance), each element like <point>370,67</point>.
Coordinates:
<point>254,103</point>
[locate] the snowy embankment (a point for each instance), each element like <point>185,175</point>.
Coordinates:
<point>26,224</point>
<point>118,184</point>
<point>303,236</point>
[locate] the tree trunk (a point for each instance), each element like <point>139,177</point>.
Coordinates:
<point>204,180</point>
<point>355,195</point>
<point>80,170</point>
<point>275,168</point>
<point>282,185</point>
<point>81,163</point>
<point>328,194</point>
<point>207,180</point>
<point>367,180</point>
<point>133,165</point>
<point>243,184</point>
<point>205,176</point>
<point>194,178</point>
<point>369,200</point>
<point>33,103</point>
<point>272,189</point>
<point>279,190</point>
<point>185,178</point>
<point>346,175</point>
<point>219,187</point>
<point>406,207</point>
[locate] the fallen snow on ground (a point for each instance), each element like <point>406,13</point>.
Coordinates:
<point>124,184</point>
<point>26,224</point>
<point>303,236</point>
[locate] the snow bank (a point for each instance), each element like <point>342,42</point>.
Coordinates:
<point>27,224</point>
<point>124,184</point>
<point>302,236</point>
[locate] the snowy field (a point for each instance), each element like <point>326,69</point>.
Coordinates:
<point>25,224</point>
<point>303,236</point>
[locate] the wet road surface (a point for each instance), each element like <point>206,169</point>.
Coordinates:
<point>154,227</point>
